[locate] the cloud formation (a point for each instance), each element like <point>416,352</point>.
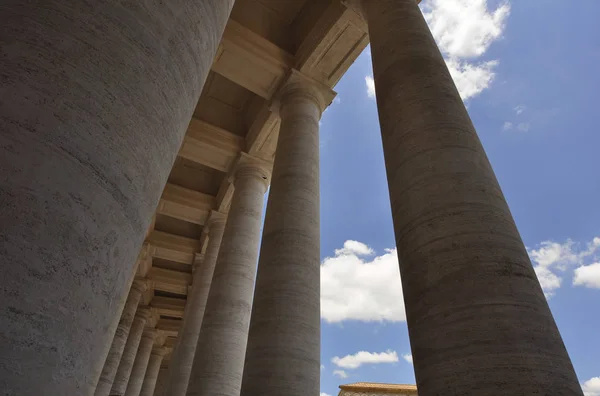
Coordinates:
<point>363,357</point>
<point>408,357</point>
<point>464,30</point>
<point>357,286</point>
<point>340,373</point>
<point>588,276</point>
<point>552,259</point>
<point>370,83</point>
<point>591,387</point>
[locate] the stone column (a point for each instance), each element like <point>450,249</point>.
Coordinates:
<point>138,371</point>
<point>152,372</point>
<point>96,99</point>
<point>116,349</point>
<point>161,382</point>
<point>131,348</point>
<point>283,354</point>
<point>180,365</point>
<point>219,359</point>
<point>477,317</point>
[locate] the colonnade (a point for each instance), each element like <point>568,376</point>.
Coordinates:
<point>478,320</point>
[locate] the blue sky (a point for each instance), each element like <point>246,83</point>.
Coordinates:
<point>528,71</point>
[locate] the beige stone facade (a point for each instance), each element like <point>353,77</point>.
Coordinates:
<point>377,389</point>
<point>138,140</point>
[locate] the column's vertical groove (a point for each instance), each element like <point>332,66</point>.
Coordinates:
<point>120,339</point>
<point>96,98</point>
<point>138,371</point>
<point>219,359</point>
<point>129,353</point>
<point>283,355</point>
<point>478,320</point>
<point>180,365</point>
<point>152,372</point>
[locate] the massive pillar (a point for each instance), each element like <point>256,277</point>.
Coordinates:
<point>219,359</point>
<point>180,365</point>
<point>138,371</point>
<point>152,372</point>
<point>477,317</point>
<point>96,98</point>
<point>130,351</point>
<point>118,344</point>
<point>283,354</point>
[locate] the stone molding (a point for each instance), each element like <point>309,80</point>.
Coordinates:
<point>249,166</point>
<point>301,87</point>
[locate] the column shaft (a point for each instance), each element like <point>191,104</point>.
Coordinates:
<point>161,382</point>
<point>219,359</point>
<point>477,317</point>
<point>138,371</point>
<point>131,348</point>
<point>120,339</point>
<point>152,371</point>
<point>96,99</point>
<point>283,354</point>
<point>180,366</point>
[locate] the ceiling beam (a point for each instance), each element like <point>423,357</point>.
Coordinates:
<point>168,306</point>
<point>264,64</point>
<point>170,281</point>
<point>210,145</point>
<point>172,247</point>
<point>185,204</point>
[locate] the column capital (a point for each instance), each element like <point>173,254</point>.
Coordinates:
<point>301,87</point>
<point>150,333</point>
<point>144,313</point>
<point>140,284</point>
<point>198,260</point>
<point>357,6</point>
<point>249,166</point>
<point>160,351</point>
<point>215,220</point>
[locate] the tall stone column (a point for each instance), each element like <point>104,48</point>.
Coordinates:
<point>161,382</point>
<point>138,371</point>
<point>283,354</point>
<point>477,317</point>
<point>219,359</point>
<point>152,372</point>
<point>131,348</point>
<point>118,345</point>
<point>96,99</point>
<point>180,365</point>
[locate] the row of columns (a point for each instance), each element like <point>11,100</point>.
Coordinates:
<point>135,355</point>
<point>477,318</point>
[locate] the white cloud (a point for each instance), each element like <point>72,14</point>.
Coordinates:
<point>337,99</point>
<point>554,254</point>
<point>354,247</point>
<point>465,28</point>
<point>356,288</point>
<point>370,86</point>
<point>364,357</point>
<point>523,127</point>
<point>340,373</point>
<point>591,387</point>
<point>520,109</point>
<point>548,280</point>
<point>322,367</point>
<point>551,259</point>
<point>588,276</point>
<point>471,79</point>
<point>507,126</point>
<point>324,394</point>
<point>408,357</point>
